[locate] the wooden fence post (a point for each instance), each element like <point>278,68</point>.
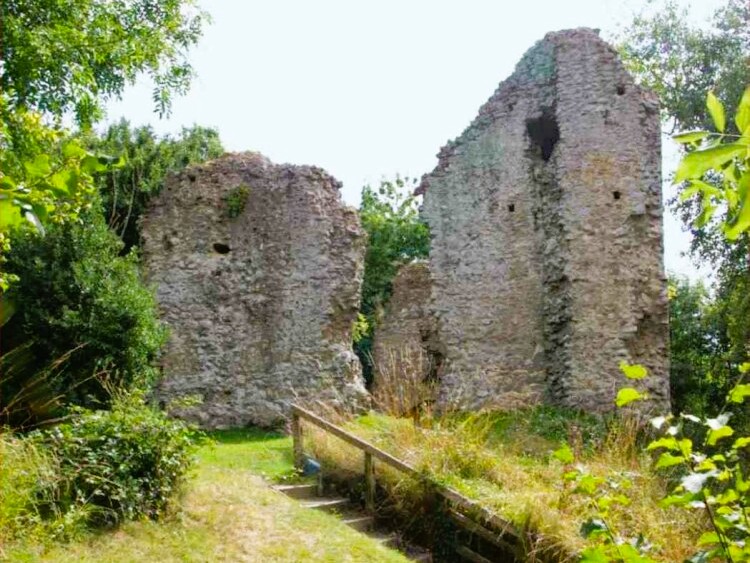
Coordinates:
<point>297,440</point>
<point>369,483</point>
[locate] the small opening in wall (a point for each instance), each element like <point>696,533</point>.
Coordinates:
<point>221,248</point>
<point>512,207</point>
<point>543,132</point>
<point>620,89</point>
<point>616,195</point>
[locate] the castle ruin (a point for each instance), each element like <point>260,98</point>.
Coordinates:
<point>546,218</point>
<point>257,269</point>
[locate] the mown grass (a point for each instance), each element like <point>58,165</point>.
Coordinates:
<point>228,514</point>
<point>504,461</point>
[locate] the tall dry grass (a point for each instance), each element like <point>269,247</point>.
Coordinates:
<point>402,384</point>
<point>504,461</point>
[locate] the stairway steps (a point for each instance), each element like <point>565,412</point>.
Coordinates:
<point>327,504</point>
<point>299,491</point>
<point>360,523</point>
<point>308,496</point>
<point>387,540</point>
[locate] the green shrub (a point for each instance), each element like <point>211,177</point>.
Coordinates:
<point>125,463</point>
<point>84,322</point>
<point>236,200</point>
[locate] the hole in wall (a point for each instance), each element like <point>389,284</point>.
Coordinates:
<point>620,89</point>
<point>221,248</point>
<point>616,195</point>
<point>544,133</point>
<point>512,207</point>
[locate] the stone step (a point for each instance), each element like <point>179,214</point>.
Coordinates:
<point>360,523</point>
<point>299,491</point>
<point>327,504</point>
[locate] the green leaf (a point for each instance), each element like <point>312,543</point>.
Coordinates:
<point>564,454</point>
<point>739,393</point>
<point>697,163</point>
<point>38,167</point>
<point>716,435</point>
<point>742,118</point>
<point>679,500</point>
<point>742,223</point>
<point>668,460</point>
<point>700,187</point>
<point>634,371</point>
<point>10,214</point>
<point>72,149</point>
<point>7,308</point>
<point>741,443</point>
<point>716,110</point>
<point>690,136</point>
<point>708,538</point>
<point>665,442</point>
<point>627,395</point>
<point>92,164</point>
<point>595,555</point>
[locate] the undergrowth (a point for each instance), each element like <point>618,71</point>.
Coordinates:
<point>505,461</point>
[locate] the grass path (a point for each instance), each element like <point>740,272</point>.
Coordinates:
<point>229,514</point>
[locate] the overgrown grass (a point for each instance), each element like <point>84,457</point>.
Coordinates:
<point>228,514</point>
<point>504,461</point>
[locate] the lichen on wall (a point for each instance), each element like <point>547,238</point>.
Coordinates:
<point>257,269</point>
<point>546,221</point>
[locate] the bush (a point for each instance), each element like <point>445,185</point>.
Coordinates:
<point>123,464</point>
<point>84,322</point>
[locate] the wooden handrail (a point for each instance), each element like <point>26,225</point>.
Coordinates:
<point>502,525</point>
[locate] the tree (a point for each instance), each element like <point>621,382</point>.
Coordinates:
<point>681,62</point>
<point>61,57</point>
<point>699,349</point>
<point>396,235</point>
<point>64,56</point>
<point>85,324</point>
<point>126,190</point>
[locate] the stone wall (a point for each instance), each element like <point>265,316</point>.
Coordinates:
<point>407,356</point>
<point>546,218</point>
<point>257,269</point>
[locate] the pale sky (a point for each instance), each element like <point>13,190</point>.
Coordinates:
<point>369,89</point>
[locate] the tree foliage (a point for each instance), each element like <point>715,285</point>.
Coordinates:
<point>68,57</point>
<point>396,235</point>
<point>707,455</point>
<point>147,159</point>
<point>84,325</point>
<point>63,56</point>
<point>681,61</point>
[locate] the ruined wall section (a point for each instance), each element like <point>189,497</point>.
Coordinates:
<point>546,256</point>
<point>487,276</point>
<point>609,163</point>
<point>407,355</point>
<point>260,306</point>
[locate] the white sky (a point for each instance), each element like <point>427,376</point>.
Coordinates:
<point>369,89</point>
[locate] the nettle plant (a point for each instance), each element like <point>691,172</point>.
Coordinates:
<point>713,473</point>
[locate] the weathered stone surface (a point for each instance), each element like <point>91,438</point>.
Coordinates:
<point>546,219</point>
<point>260,305</point>
<point>407,356</point>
